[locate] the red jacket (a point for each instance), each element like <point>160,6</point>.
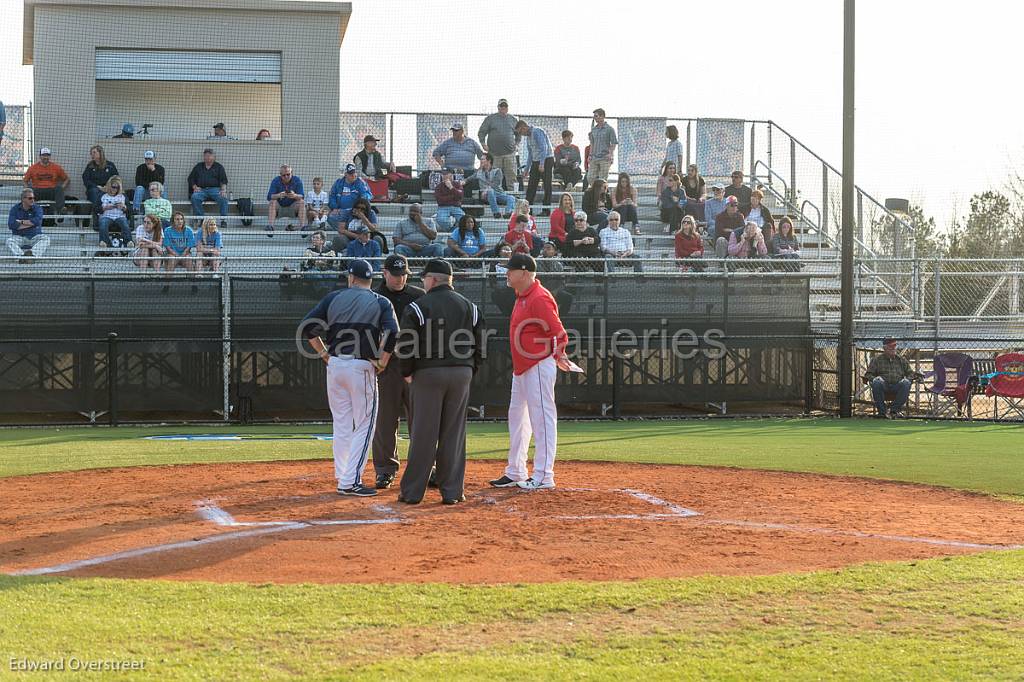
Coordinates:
<point>448,197</point>
<point>687,247</point>
<point>512,236</point>
<point>535,330</point>
<point>558,220</point>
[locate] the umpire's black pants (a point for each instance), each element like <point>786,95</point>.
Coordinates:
<point>393,402</point>
<point>536,172</point>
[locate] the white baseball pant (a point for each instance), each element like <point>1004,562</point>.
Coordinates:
<point>352,395</point>
<point>532,411</point>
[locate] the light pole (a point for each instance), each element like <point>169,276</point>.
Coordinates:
<point>846,282</point>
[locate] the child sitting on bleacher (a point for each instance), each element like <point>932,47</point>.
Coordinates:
<point>316,204</point>
<point>179,243</point>
<point>148,238</point>
<point>208,246</point>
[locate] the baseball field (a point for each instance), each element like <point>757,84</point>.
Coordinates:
<point>737,549</point>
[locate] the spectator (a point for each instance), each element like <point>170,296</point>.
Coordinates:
<point>523,209</point>
<point>748,242</point>
<point>554,280</point>
<point>491,181</point>
<point>726,224</point>
<point>520,238</point>
<point>584,242</point>
<point>785,246</point>
<point>674,151</point>
<point>889,373</point>
<point>286,193</point>
<point>96,174</point>
<point>467,240</point>
<point>221,133</point>
<point>127,132</point>
<point>689,246</point>
<point>458,151</point>
<point>740,191</point>
<point>448,195</point>
<point>597,204</point>
<point>48,180</point>
<point>498,136</point>
<point>145,173</point>
<point>668,169</point>
<point>344,193</point>
<point>561,220</point>
<point>414,236</point>
<point>157,204</point>
<point>617,245</point>
<point>696,192</point>
<point>502,252</point>
<point>318,255</point>
<point>568,161</point>
<point>364,247</point>
<point>114,212</point>
<point>208,246</point>
<point>714,206</point>
<point>758,213</point>
<point>625,201</point>
<point>208,181</point>
<point>25,221</point>
<point>364,214</point>
<point>370,162</point>
<point>671,199</point>
<point>149,242</point>
<point>316,204</point>
<point>540,162</point>
<point>602,148</point>
<point>179,242</point>
<point>262,135</point>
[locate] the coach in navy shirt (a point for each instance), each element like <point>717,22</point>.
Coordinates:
<point>25,221</point>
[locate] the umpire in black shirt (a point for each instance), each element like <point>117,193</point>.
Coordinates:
<point>441,345</point>
<point>391,386</point>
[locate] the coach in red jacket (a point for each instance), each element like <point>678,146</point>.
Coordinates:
<point>538,350</point>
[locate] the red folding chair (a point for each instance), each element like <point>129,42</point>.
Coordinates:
<point>1007,384</point>
<point>379,189</point>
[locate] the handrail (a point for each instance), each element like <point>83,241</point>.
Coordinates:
<point>818,226</point>
<point>772,174</point>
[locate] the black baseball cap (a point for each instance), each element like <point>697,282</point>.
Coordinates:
<point>357,267</point>
<point>437,266</point>
<point>396,264</point>
<point>522,261</point>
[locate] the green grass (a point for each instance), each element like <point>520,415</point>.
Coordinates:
<point>945,618</point>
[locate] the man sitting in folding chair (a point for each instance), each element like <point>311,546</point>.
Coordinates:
<point>890,376</point>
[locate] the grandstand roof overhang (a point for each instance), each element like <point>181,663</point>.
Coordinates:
<point>342,10</point>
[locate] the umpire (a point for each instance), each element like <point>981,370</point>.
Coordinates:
<point>392,389</point>
<point>441,345</point>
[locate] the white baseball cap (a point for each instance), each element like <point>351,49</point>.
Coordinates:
<point>45,151</point>
<point>149,155</point>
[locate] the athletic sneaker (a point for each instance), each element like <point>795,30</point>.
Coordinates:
<point>384,481</point>
<point>503,482</point>
<point>357,490</point>
<point>530,484</point>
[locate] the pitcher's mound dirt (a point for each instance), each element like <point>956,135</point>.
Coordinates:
<point>282,522</point>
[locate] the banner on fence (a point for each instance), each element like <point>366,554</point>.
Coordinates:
<point>432,130</point>
<point>719,146</point>
<point>355,126</point>
<point>641,145</point>
<point>12,148</point>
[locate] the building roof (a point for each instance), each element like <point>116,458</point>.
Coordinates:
<point>343,10</point>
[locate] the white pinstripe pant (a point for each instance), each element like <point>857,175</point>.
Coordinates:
<point>532,411</point>
<point>352,395</point>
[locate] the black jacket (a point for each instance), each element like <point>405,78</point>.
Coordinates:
<point>400,299</point>
<point>144,176</point>
<point>428,326</point>
<point>362,158</point>
<point>97,177</point>
<point>205,178</point>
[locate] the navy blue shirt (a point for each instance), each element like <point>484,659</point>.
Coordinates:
<point>278,185</point>
<point>353,321</point>
<point>35,214</point>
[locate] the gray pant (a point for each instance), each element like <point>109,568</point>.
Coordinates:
<point>393,401</point>
<point>437,433</point>
<point>507,164</point>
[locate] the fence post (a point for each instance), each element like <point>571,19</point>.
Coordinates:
<point>688,157</point>
<point>938,301</point>
<point>792,170</point>
<point>225,302</point>
<point>616,385</point>
<point>112,378</point>
<point>753,155</point>
<point>823,228</point>
<point>915,289</point>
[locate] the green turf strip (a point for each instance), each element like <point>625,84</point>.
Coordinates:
<point>982,457</point>
<point>944,618</point>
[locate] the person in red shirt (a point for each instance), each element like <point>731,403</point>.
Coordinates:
<point>48,180</point>
<point>689,246</point>
<point>560,219</point>
<point>538,351</point>
<point>519,237</point>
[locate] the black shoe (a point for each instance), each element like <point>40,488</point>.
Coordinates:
<point>223,224</point>
<point>405,501</point>
<point>432,481</point>
<point>384,481</point>
<point>454,500</point>
<point>503,482</point>
<point>357,490</point>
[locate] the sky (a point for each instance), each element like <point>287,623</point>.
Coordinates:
<point>935,114</point>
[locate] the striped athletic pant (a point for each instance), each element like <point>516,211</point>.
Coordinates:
<point>352,395</point>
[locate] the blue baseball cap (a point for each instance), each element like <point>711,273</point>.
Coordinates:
<point>360,268</point>
<point>128,129</point>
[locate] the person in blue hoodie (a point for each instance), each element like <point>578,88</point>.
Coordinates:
<point>344,193</point>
